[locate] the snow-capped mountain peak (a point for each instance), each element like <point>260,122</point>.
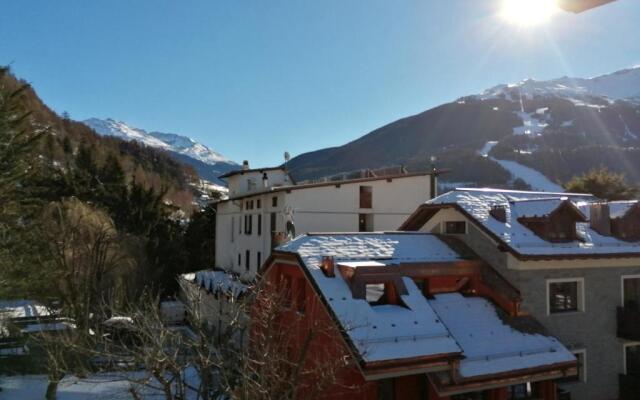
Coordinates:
<point>207,163</point>
<point>620,85</point>
<point>166,141</point>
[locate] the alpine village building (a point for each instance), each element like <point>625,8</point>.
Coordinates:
<point>479,294</point>
<point>576,263</point>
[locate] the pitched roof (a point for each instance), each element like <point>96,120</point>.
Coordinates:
<point>384,332</point>
<point>477,204</point>
<point>449,324</point>
<point>491,346</point>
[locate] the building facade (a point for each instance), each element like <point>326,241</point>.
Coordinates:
<point>266,208</point>
<point>576,262</point>
<point>417,316</point>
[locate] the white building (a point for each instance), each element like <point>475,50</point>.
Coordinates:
<point>265,208</point>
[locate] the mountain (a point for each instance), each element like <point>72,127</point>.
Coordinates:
<point>526,134</point>
<point>207,163</point>
<point>620,85</point>
<point>69,146</point>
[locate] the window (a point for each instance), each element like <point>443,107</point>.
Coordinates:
<point>239,259</point>
<point>247,260</point>
<point>248,222</point>
<point>272,222</point>
<point>301,299</point>
<point>522,391</point>
<point>259,224</point>
<point>565,295</point>
<point>375,291</point>
<point>233,228</point>
<point>366,196</point>
<point>259,259</point>
<point>631,292</point>
<point>365,222</point>
<point>455,227</point>
<point>581,356</point>
<point>258,203</point>
<point>378,294</point>
<point>632,359</point>
<point>274,201</point>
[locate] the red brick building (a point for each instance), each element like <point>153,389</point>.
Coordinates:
<point>416,317</point>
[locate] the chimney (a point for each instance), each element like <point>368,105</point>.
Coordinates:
<point>328,266</point>
<point>499,212</point>
<point>600,219</point>
<point>245,165</point>
<point>265,180</point>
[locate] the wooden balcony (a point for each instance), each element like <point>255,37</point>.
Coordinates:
<point>629,387</point>
<point>628,323</point>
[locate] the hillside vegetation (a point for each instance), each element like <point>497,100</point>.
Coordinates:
<point>84,217</point>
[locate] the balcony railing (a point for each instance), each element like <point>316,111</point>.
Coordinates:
<point>629,387</point>
<point>628,323</point>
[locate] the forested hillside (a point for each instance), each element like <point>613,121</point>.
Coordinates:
<point>83,217</point>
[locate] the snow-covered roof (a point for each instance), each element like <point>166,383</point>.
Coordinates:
<point>22,309</point>
<point>478,203</point>
<point>216,280</point>
<point>383,332</point>
<point>489,345</point>
<point>393,332</point>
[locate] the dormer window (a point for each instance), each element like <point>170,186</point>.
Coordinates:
<point>499,212</point>
<point>558,226</point>
<point>627,227</point>
<point>380,294</point>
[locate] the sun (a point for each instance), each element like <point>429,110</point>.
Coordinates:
<point>528,12</point>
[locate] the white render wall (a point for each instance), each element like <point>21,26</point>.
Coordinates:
<point>325,208</point>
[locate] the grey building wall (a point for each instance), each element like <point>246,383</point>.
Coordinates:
<point>593,330</point>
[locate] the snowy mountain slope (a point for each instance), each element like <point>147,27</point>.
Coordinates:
<point>620,85</point>
<point>208,163</point>
<point>558,128</point>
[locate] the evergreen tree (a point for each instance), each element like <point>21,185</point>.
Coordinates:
<point>200,239</point>
<point>604,184</point>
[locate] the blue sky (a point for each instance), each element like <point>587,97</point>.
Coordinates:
<point>254,78</point>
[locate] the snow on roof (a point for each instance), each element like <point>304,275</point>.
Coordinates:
<point>390,247</point>
<point>478,203</point>
<point>48,327</point>
<point>448,324</point>
<point>216,280</point>
<point>386,332</point>
<point>488,344</point>
<point>22,309</point>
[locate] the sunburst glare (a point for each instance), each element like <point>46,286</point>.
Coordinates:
<point>528,12</point>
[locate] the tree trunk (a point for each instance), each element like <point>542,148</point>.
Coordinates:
<point>52,390</point>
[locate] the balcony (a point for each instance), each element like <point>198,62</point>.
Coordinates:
<point>628,323</point>
<point>629,387</point>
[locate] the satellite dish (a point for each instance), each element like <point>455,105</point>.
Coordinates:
<point>287,156</point>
